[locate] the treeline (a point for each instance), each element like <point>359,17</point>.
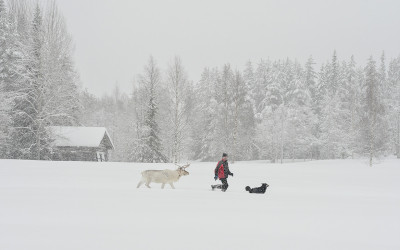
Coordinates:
<point>273,110</point>
<point>38,82</point>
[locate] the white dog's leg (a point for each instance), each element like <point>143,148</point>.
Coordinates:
<point>148,184</point>
<point>172,185</point>
<point>139,184</point>
<point>162,186</point>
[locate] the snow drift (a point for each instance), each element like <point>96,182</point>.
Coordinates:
<point>338,204</point>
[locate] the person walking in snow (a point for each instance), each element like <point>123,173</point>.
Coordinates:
<point>222,172</point>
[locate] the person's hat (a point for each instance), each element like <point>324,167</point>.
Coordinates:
<point>224,155</point>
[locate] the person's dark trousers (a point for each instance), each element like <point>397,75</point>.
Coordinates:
<point>224,185</point>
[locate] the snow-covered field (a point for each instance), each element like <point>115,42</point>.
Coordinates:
<point>338,204</point>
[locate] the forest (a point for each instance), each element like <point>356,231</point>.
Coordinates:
<point>272,109</point>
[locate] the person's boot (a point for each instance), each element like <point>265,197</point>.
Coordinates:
<point>218,186</point>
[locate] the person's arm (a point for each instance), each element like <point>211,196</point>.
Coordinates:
<point>227,170</point>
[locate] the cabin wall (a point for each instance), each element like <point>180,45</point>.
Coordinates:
<point>79,153</point>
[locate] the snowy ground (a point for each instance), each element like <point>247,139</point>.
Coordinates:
<point>342,204</point>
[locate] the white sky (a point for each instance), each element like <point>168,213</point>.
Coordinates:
<point>115,38</point>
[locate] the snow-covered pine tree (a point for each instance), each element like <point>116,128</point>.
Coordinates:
<point>393,103</point>
<point>204,130</point>
<point>150,79</point>
<point>382,77</point>
<point>311,85</point>
<point>46,90</point>
<point>249,79</point>
<point>346,98</point>
<point>247,117</point>
<point>318,104</point>
<point>387,94</point>
<point>198,131</point>
<point>137,143</point>
<point>7,76</point>
<point>11,56</point>
<point>225,93</point>
<point>10,74</point>
<point>37,95</point>
<point>263,76</point>
<point>273,112</point>
<point>238,99</point>
<point>119,123</point>
<point>246,123</point>
<point>301,117</point>
<point>354,80</point>
<point>30,138</point>
<point>330,132</point>
<point>334,76</point>
<point>372,122</point>
<point>287,78</point>
<point>334,119</point>
<point>310,77</point>
<point>190,104</point>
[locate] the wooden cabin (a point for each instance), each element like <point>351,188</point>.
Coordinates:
<point>80,143</point>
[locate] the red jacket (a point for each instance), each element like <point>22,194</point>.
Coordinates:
<point>222,170</point>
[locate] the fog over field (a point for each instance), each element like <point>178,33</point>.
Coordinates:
<point>211,33</point>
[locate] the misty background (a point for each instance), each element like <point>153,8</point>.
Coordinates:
<point>113,39</point>
<point>175,81</point>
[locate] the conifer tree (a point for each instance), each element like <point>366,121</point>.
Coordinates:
<point>372,119</point>
<point>30,138</point>
<point>151,81</point>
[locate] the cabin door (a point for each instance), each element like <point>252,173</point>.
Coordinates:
<point>101,156</point>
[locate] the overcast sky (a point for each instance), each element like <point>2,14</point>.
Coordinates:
<point>115,38</point>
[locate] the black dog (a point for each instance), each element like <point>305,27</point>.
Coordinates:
<point>258,190</point>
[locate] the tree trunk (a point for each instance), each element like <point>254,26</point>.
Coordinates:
<point>293,152</point>
<point>281,138</point>
<point>274,143</point>
<point>175,148</point>
<point>370,158</point>
<point>370,151</point>
<point>38,145</point>
<point>39,125</point>
<point>398,137</point>
<point>235,132</point>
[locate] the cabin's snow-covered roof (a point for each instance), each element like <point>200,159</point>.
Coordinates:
<point>79,136</point>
